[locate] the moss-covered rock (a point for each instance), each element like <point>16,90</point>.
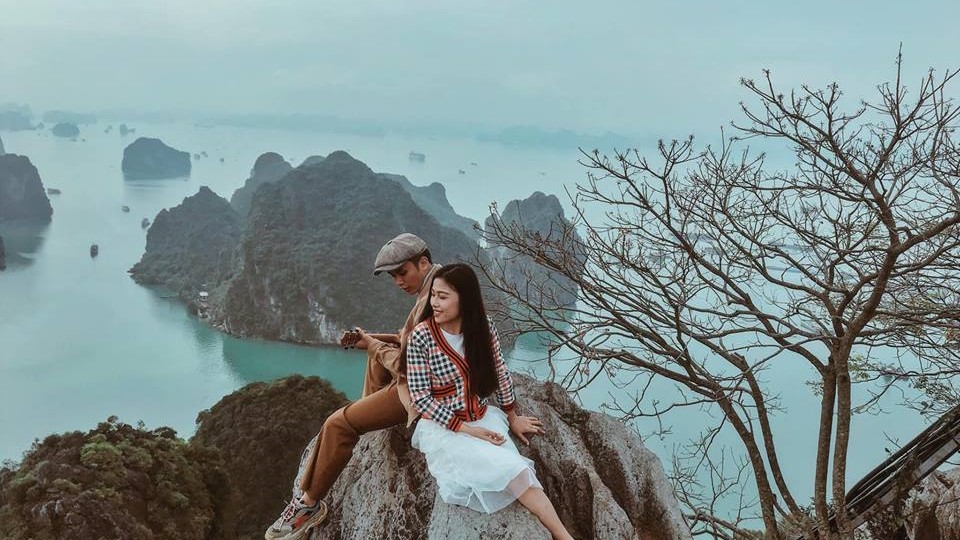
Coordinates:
<point>308,251</point>
<point>116,481</point>
<point>192,246</point>
<point>260,430</point>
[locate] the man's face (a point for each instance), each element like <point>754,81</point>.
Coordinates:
<point>409,276</point>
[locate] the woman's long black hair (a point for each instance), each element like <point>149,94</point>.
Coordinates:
<point>477,340</point>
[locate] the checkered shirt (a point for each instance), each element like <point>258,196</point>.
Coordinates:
<point>438,378</point>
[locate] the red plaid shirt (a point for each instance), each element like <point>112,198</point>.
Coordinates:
<point>438,376</point>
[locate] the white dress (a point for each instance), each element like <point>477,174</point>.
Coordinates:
<point>472,472</point>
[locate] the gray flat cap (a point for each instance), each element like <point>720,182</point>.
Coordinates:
<point>398,251</point>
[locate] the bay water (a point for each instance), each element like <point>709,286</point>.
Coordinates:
<point>80,341</point>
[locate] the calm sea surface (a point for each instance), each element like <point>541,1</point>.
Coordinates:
<point>80,341</point>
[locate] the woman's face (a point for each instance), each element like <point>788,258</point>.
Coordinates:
<point>445,302</point>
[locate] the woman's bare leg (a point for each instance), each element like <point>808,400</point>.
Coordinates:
<point>537,502</point>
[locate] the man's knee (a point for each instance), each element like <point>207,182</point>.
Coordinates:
<point>337,424</point>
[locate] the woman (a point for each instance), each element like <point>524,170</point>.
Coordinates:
<point>453,365</point>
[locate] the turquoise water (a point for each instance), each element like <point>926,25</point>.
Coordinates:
<point>80,341</point>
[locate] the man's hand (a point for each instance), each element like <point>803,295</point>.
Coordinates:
<point>521,426</point>
<point>355,338</point>
<point>358,338</point>
<point>491,437</point>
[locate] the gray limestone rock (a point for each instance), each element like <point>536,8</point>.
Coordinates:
<point>148,158</point>
<point>596,471</point>
<point>312,160</point>
<point>308,246</point>
<point>433,199</point>
<point>66,129</point>
<point>22,196</point>
<point>934,507</point>
<point>269,167</point>
<point>542,216</point>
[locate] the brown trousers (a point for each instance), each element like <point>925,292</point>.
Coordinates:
<point>340,433</point>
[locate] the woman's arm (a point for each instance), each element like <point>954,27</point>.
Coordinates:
<point>521,426</point>
<point>506,397</point>
<point>418,380</point>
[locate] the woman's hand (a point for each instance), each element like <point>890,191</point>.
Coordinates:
<point>521,426</point>
<point>491,437</point>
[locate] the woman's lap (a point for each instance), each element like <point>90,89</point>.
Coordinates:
<point>473,472</point>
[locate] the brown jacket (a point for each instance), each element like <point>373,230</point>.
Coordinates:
<point>388,355</point>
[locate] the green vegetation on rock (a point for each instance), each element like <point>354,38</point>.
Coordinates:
<point>115,481</point>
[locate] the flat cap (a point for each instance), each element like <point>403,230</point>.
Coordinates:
<point>398,251</point>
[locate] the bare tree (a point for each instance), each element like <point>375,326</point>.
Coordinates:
<point>703,267</point>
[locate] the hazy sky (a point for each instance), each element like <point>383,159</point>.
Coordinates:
<point>664,68</point>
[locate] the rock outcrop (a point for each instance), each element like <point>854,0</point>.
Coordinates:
<point>148,158</point>
<point>233,477</point>
<point>307,251</point>
<point>115,481</point>
<point>120,481</point>
<point>260,430</point>
<point>2,151</point>
<point>22,196</point>
<point>312,160</point>
<point>192,246</point>
<point>15,117</point>
<point>269,167</point>
<point>602,480</point>
<point>433,199</point>
<point>934,507</point>
<point>66,130</point>
<point>539,217</point>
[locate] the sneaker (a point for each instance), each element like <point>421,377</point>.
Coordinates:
<point>296,520</point>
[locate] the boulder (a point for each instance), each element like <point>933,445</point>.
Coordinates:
<point>933,509</point>
<point>602,480</point>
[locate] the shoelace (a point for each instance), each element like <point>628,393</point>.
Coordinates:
<point>291,509</point>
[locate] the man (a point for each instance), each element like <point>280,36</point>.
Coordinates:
<point>386,398</point>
